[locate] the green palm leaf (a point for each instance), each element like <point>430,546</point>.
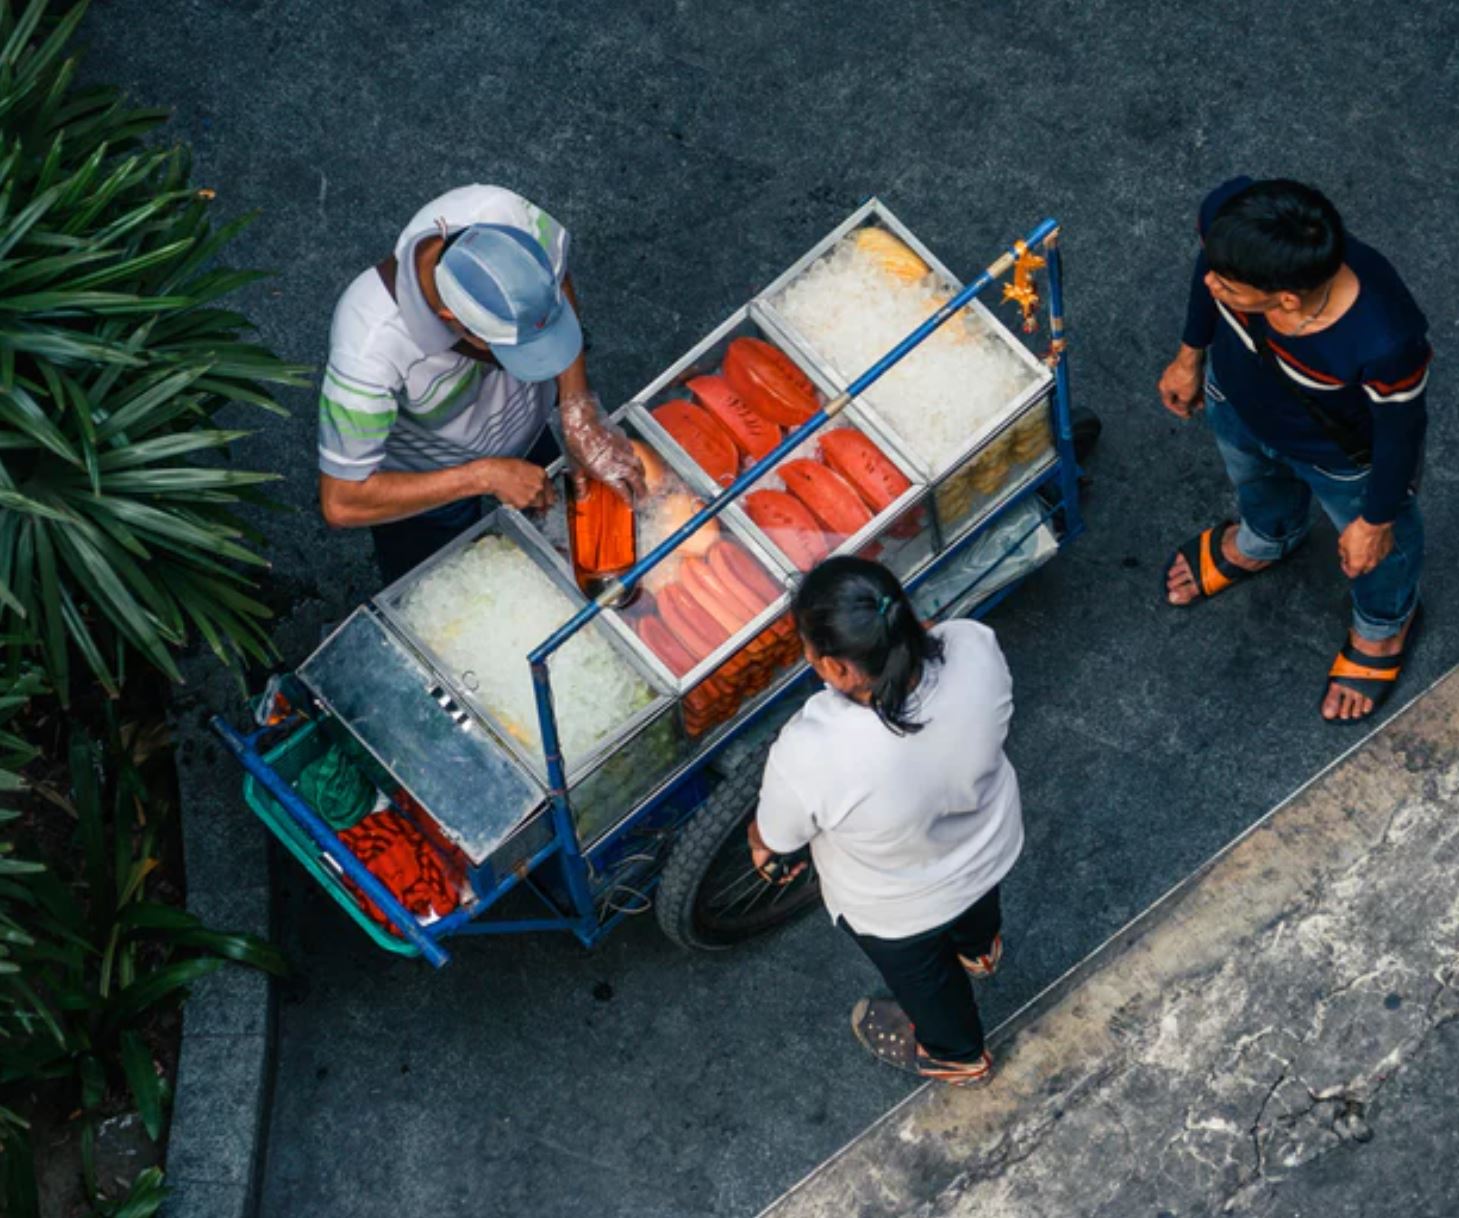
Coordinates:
<point>116,536</point>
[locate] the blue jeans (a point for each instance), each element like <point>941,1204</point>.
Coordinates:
<point>1275,495</point>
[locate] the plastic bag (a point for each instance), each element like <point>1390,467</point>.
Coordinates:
<point>595,447</point>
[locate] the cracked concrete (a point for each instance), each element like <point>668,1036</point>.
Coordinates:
<point>1282,1021</point>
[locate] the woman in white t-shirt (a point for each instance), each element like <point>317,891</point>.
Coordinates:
<point>895,777</point>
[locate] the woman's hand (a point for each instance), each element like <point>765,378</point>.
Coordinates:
<point>762,857</point>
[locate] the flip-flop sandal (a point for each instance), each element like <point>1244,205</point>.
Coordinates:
<point>1373,677</point>
<point>1211,570</point>
<point>886,1033</point>
<point>979,967</point>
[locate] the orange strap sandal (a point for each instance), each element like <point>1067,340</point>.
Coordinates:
<point>980,967</point>
<point>1373,677</point>
<point>1212,571</point>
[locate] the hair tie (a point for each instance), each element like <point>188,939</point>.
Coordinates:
<point>883,606</point>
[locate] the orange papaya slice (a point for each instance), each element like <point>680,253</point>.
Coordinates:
<point>849,453</point>
<point>754,434</point>
<point>616,549</point>
<point>769,382</point>
<point>600,534</point>
<point>788,523</point>
<point>829,496</point>
<point>582,536</point>
<point>698,433</point>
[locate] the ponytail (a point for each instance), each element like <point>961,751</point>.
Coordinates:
<point>855,610</point>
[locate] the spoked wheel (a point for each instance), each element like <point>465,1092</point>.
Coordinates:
<point>711,897</point>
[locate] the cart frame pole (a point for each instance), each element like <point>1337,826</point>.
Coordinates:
<point>1063,419</point>
<point>328,842</point>
<point>574,865</point>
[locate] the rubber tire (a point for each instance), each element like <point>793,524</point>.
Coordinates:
<point>695,846</point>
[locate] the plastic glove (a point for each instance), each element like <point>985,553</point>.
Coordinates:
<point>595,447</point>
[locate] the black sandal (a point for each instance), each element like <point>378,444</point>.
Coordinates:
<point>1373,677</point>
<point>1211,571</point>
<point>886,1033</point>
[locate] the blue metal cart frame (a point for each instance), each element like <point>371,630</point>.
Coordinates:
<point>564,871</point>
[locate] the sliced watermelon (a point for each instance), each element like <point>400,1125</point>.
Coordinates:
<point>754,434</point>
<point>829,496</point>
<point>697,432</point>
<point>788,524</point>
<point>769,382</point>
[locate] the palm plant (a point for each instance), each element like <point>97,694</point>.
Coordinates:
<point>119,530</point>
<point>21,1009</point>
<point>99,954</point>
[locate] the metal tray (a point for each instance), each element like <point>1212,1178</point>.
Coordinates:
<point>394,704</point>
<point>551,526</point>
<point>874,212</point>
<point>505,522</point>
<point>900,536</point>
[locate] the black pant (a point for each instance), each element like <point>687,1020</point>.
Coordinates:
<point>402,545</point>
<point>923,974</point>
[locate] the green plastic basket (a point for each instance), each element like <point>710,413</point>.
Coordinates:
<point>288,758</point>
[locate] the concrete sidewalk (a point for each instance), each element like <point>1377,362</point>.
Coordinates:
<point>1275,1037</point>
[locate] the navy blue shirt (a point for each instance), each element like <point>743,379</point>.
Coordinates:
<point>1368,371</point>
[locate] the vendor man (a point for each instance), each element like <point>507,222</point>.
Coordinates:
<point>1314,389</point>
<point>445,362</point>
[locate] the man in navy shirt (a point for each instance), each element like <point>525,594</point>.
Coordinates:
<point>1311,360</point>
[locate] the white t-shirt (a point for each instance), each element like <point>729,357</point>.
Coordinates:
<point>906,831</point>
<point>396,395</point>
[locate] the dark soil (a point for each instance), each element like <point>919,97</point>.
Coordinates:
<point>46,833</point>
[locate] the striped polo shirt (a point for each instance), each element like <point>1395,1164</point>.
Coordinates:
<point>395,395</point>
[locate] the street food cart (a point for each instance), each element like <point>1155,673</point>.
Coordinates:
<point>573,732</point>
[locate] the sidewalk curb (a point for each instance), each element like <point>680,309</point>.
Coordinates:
<point>224,1074</point>
<point>933,1147</point>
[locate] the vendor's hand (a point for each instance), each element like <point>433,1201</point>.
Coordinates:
<point>518,484</point>
<point>598,449</point>
<point>1362,546</point>
<point>1181,385</point>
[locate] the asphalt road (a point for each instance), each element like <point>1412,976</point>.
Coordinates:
<point>695,149</point>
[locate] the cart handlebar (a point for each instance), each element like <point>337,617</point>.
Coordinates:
<point>244,749</point>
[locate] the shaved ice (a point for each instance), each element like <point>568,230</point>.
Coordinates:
<point>960,382</point>
<point>483,610</point>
